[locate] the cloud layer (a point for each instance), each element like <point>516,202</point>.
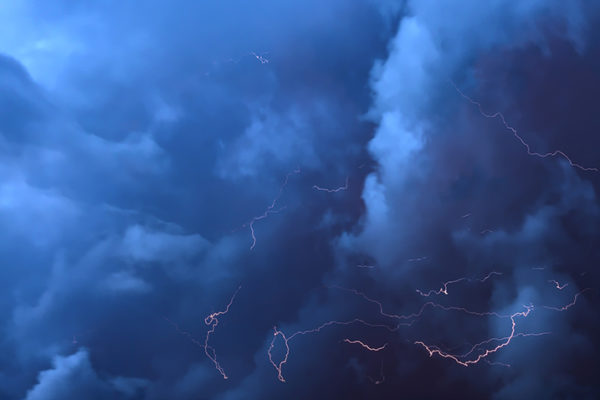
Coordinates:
<point>331,160</point>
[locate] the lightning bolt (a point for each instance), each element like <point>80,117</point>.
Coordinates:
<point>444,288</point>
<point>568,305</point>
<point>504,342</point>
<point>286,339</point>
<point>408,317</point>
<point>364,345</point>
<point>270,209</point>
<point>558,285</point>
<point>261,59</point>
<point>520,334</point>
<point>477,352</point>
<point>499,115</point>
<point>338,189</point>
<point>211,321</point>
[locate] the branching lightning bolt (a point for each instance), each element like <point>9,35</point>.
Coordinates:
<point>286,339</point>
<point>270,209</point>
<point>568,305</point>
<point>211,321</point>
<point>505,342</point>
<point>476,353</point>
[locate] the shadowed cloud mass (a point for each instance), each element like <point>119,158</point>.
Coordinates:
<point>404,191</point>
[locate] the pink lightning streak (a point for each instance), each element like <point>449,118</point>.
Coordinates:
<point>569,305</point>
<point>212,321</point>
<point>424,307</point>
<point>478,352</point>
<point>286,340</point>
<point>338,189</point>
<point>558,285</point>
<point>480,344</point>
<point>460,359</point>
<point>270,209</point>
<point>444,288</point>
<point>364,345</point>
<point>433,350</point>
<point>505,341</point>
<point>520,139</point>
<point>520,334</point>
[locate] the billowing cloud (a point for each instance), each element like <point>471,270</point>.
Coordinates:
<point>186,185</point>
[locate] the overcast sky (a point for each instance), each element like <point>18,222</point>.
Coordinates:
<point>299,199</point>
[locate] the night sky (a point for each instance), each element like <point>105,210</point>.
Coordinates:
<point>299,199</point>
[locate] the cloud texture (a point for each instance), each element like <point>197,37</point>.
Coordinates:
<point>337,160</point>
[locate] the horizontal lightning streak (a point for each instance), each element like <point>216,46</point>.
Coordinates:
<point>286,339</point>
<point>444,288</point>
<point>431,350</point>
<point>364,345</point>
<point>474,355</point>
<point>520,334</point>
<point>338,189</point>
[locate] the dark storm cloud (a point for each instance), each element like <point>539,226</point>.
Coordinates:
<point>461,190</point>
<point>139,141</point>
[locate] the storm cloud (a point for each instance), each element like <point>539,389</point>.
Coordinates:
<point>302,173</point>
